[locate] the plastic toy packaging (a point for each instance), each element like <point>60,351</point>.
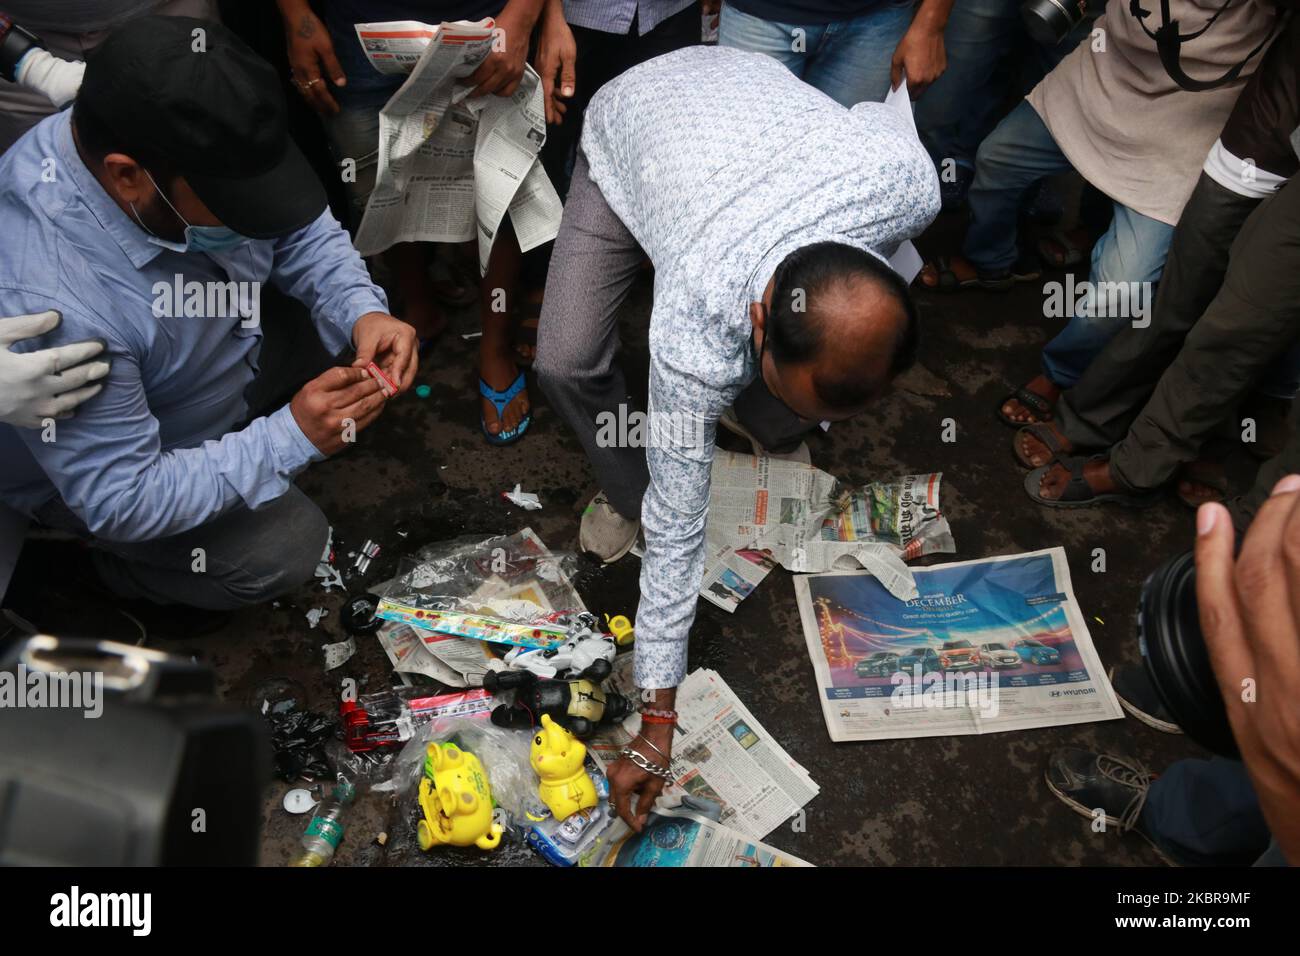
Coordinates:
<point>502,753</point>
<point>504,590</point>
<point>392,717</point>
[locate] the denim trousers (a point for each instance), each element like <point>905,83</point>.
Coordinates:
<point>848,60</point>
<point>1019,153</point>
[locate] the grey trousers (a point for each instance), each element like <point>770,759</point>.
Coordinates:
<point>593,265</point>
<point>1227,309</point>
<point>243,557</point>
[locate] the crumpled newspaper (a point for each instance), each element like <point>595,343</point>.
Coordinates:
<point>811,521</point>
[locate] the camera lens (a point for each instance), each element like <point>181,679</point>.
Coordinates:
<point>1173,649</point>
<point>1050,21</point>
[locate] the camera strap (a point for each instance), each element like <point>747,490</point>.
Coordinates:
<point>1169,43</point>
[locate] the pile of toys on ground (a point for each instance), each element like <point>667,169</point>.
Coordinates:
<point>504,752</point>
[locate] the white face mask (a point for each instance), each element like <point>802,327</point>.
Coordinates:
<point>197,238</point>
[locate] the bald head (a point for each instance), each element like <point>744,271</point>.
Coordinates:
<point>842,323</point>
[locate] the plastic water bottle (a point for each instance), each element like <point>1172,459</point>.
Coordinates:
<point>325,831</point>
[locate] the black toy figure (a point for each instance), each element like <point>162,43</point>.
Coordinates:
<point>579,705</point>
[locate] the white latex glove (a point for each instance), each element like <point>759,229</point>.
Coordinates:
<point>49,383</point>
<point>55,79</point>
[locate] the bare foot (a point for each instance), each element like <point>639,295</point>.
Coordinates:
<point>1034,450</point>
<point>526,330</point>
<point>961,268</point>
<point>425,317</point>
<point>498,369</point>
<point>1197,494</point>
<point>1096,473</point>
<point>1051,249</point>
<point>1202,481</point>
<point>1016,410</point>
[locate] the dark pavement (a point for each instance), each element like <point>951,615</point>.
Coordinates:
<point>425,468</point>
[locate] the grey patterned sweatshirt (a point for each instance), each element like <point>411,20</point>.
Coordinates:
<point>720,163</point>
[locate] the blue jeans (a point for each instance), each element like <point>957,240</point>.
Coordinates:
<point>980,42</point>
<point>848,60</point>
<point>1012,158</point>
<point>1205,812</point>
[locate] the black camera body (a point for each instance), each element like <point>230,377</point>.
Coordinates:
<point>1176,659</point>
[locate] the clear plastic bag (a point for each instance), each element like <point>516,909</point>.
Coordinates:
<point>503,754</point>
<point>507,590</point>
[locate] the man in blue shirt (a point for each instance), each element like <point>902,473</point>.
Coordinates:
<point>149,218</point>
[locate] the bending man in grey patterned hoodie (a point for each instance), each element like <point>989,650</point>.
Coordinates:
<point>768,210</point>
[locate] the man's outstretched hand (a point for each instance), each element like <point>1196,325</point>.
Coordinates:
<point>1250,613</point>
<point>556,62</point>
<point>335,405</point>
<point>391,344</point>
<point>629,783</point>
<point>503,68</point>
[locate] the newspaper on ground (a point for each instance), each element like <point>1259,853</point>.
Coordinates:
<point>731,574</point>
<point>810,521</point>
<point>681,837</point>
<point>990,645</point>
<point>449,166</point>
<point>455,661</point>
<point>721,753</point>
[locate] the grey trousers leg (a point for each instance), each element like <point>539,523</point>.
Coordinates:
<point>1098,410</point>
<point>593,265</point>
<point>243,557</point>
<point>1254,318</point>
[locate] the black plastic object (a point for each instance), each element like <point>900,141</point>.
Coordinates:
<point>1173,649</point>
<point>359,614</point>
<point>1050,21</point>
<point>154,772</point>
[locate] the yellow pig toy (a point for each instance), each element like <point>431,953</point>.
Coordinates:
<point>557,757</point>
<point>456,800</point>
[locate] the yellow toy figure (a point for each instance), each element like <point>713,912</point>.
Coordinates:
<point>456,800</point>
<point>557,757</point>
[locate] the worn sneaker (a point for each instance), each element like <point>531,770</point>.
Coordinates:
<point>1103,786</point>
<point>954,185</point>
<point>1138,696</point>
<point>604,532</point>
<point>731,423</point>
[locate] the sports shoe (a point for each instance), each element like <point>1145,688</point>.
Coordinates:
<point>1138,696</point>
<point>1103,786</point>
<point>604,532</point>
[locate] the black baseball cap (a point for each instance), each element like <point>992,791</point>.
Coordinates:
<point>214,110</point>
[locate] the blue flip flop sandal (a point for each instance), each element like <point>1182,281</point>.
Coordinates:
<point>500,400</point>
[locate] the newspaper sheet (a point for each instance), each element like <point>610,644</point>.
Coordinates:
<point>722,753</point>
<point>808,520</point>
<point>455,661</point>
<point>731,574</point>
<point>680,837</point>
<point>987,646</point>
<point>449,166</point>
